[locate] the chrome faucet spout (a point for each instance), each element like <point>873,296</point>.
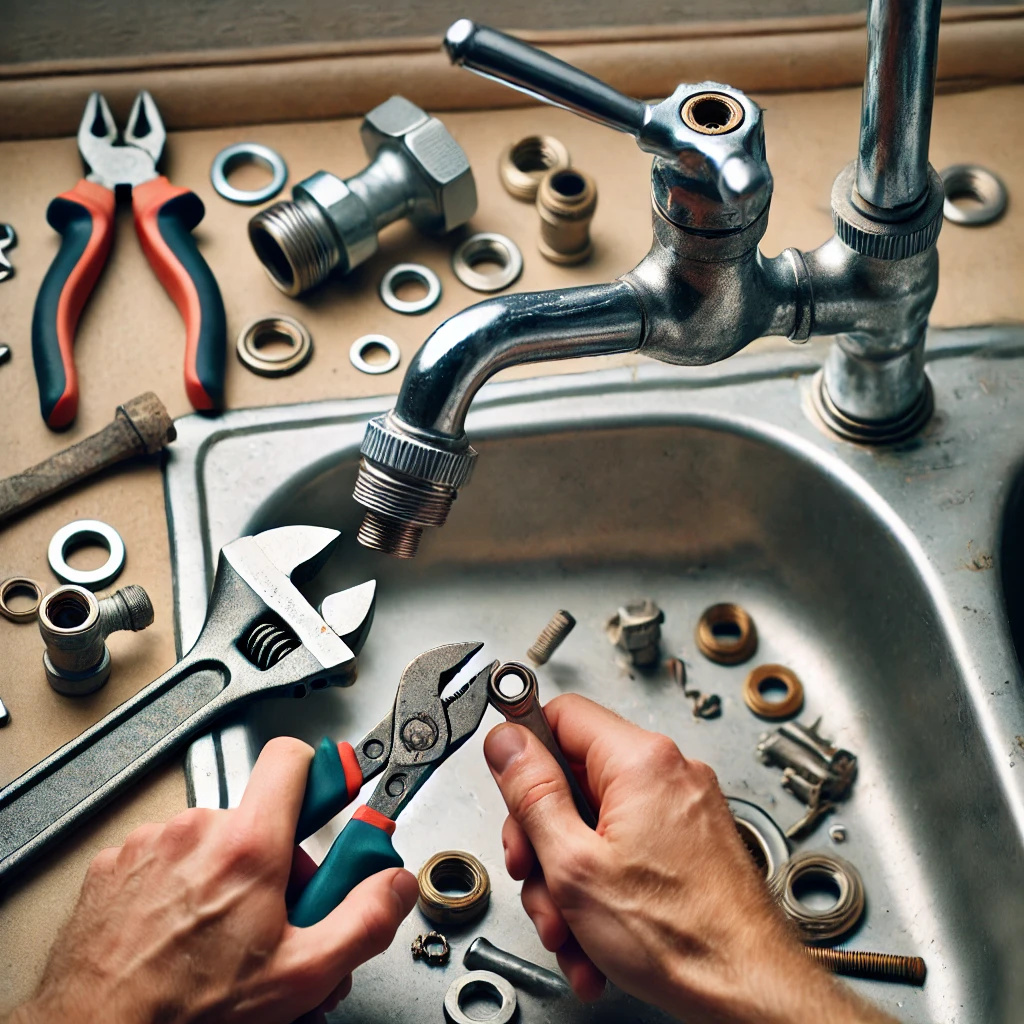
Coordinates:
<point>530,327</point>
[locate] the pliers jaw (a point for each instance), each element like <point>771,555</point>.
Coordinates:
<point>110,164</point>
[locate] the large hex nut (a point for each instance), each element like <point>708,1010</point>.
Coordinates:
<point>446,191</point>
<point>346,213</point>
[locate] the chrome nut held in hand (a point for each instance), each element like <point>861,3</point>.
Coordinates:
<point>417,170</point>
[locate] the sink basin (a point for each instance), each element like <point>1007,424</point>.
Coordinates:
<point>869,573</point>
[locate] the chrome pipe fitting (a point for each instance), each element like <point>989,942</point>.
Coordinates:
<point>74,626</point>
<point>417,170</point>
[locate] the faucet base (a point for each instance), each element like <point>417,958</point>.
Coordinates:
<point>872,432</point>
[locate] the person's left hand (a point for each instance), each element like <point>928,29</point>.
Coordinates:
<point>187,921</point>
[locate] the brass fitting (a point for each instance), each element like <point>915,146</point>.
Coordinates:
<point>522,164</point>
<point>566,200</point>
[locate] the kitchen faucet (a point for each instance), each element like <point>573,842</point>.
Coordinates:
<point>704,290</point>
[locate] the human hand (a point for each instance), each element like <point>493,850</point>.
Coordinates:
<point>187,921</point>
<point>663,899</point>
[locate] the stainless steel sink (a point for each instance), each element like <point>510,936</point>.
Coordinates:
<point>872,573</point>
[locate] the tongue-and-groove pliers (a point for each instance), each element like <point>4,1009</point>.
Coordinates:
<point>164,218</point>
<point>412,739</point>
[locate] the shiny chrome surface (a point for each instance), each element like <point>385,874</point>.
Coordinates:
<point>874,574</point>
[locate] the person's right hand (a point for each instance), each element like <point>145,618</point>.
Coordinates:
<point>663,898</point>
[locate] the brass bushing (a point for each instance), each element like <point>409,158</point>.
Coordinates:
<point>726,634</point>
<point>766,677</point>
<point>454,888</point>
<point>566,200</point>
<point>712,113</point>
<point>523,163</point>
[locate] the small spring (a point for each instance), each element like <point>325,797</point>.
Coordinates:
<point>551,637</point>
<point>268,642</point>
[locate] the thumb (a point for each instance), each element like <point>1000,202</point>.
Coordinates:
<point>535,790</point>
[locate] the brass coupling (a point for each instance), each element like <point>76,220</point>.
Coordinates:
<point>566,200</point>
<point>454,888</point>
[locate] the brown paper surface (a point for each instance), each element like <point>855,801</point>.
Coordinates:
<point>130,339</point>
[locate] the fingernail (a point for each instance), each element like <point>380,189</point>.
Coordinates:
<point>503,745</point>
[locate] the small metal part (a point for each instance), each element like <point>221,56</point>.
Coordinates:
<point>566,200</point>
<point>551,636</point>
<point>513,692</point>
<point>410,273</point>
<point>969,181</point>
<point>636,630</point>
<point>815,771</point>
<point>268,642</point>
<point>475,982</point>
<point>432,947</point>
<point>487,247</point>
<point>248,153</point>
<point>712,113</point>
<point>726,634</point>
<point>765,840</point>
<point>454,888</point>
<point>705,705</point>
<point>8,240</point>
<point>855,963</point>
<point>539,981</point>
<point>20,585</point>
<point>417,170</point>
<point>357,353</point>
<point>141,426</point>
<point>5,715</point>
<point>276,327</point>
<point>74,626</point>
<point>817,868</point>
<point>837,833</point>
<point>75,535</point>
<point>522,164</point>
<point>767,677</point>
<point>5,354</point>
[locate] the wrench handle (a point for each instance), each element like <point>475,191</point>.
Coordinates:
<point>74,782</point>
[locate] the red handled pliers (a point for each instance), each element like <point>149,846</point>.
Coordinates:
<point>164,218</point>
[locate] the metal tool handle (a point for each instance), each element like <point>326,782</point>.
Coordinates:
<point>495,55</point>
<point>74,782</point>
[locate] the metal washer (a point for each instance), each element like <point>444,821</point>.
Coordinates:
<point>360,345</point>
<point>402,273</point>
<point>962,180</point>
<point>491,247</point>
<point>12,585</point>
<point>248,152</point>
<point>488,979</point>
<point>77,533</point>
<point>275,366</point>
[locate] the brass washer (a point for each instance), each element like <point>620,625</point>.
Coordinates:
<point>12,586</point>
<point>726,650</point>
<point>790,704</point>
<point>275,366</point>
<point>456,868</point>
<point>690,113</point>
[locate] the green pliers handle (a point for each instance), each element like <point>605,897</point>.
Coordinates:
<point>333,783</point>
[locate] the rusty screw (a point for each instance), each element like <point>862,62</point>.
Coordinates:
<point>551,637</point>
<point>874,966</point>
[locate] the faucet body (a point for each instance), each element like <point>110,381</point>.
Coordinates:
<point>704,290</point>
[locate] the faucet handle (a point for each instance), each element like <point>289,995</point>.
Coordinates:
<point>710,170</point>
<point>502,58</point>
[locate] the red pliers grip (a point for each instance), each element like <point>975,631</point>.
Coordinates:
<point>165,216</point>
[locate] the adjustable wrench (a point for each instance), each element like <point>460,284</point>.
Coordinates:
<point>261,637</point>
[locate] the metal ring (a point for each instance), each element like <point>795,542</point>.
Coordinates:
<point>962,181</point>
<point>281,326</point>
<point>476,980</point>
<point>493,248</point>
<point>765,840</point>
<point>74,535</point>
<point>403,273</point>
<point>712,113</point>
<point>360,345</point>
<point>243,153</point>
<point>522,164</point>
<point>13,586</point>
<point>821,927</point>
<point>453,870</point>
<point>753,692</point>
<point>726,634</point>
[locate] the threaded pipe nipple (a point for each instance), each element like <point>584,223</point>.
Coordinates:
<point>392,536</point>
<point>295,244</point>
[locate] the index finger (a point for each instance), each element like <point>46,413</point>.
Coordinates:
<point>273,795</point>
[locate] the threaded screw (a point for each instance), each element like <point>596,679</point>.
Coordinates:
<point>855,963</point>
<point>551,637</point>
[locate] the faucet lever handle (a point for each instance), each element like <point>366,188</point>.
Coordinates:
<point>500,57</point>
